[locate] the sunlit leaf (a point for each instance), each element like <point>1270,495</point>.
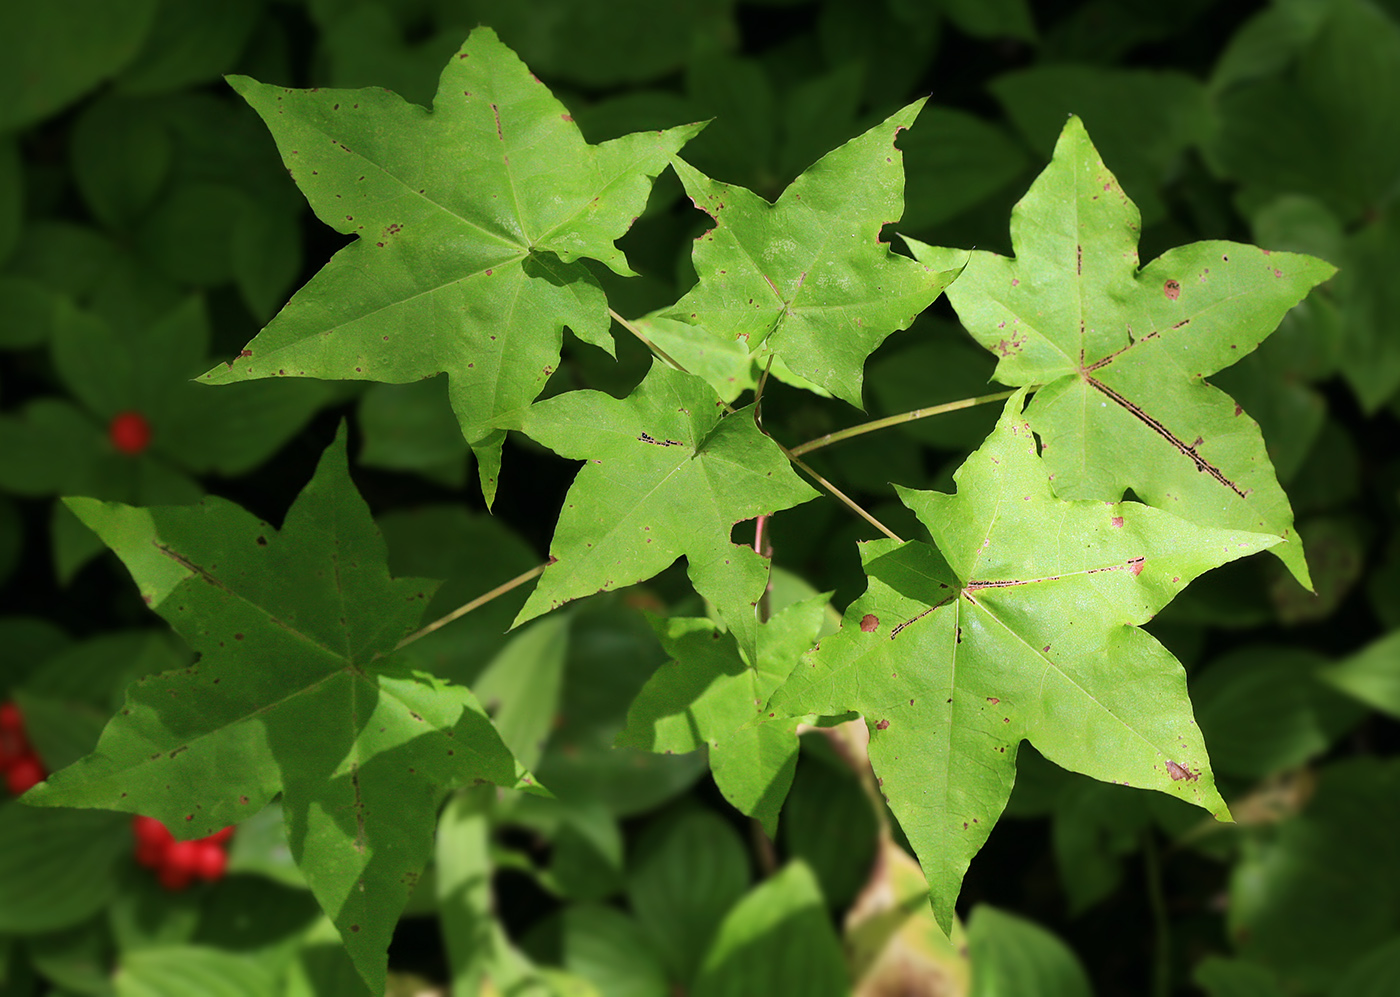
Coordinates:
<point>474,219</point>
<point>667,474</point>
<point>1021,623</point>
<point>807,278</point>
<point>707,694</point>
<point>1121,353</point>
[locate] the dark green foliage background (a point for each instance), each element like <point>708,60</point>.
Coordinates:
<point>147,229</point>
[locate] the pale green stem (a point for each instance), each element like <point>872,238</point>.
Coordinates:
<point>895,420</point>
<point>850,502</point>
<point>476,603</point>
<point>658,351</point>
<point>758,392</point>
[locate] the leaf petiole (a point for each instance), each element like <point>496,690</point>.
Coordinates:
<point>842,496</point>
<point>758,392</point>
<point>729,410</point>
<point>656,350</point>
<point>895,420</point>
<point>476,603</point>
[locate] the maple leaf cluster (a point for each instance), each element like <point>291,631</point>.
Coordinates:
<point>1019,620</point>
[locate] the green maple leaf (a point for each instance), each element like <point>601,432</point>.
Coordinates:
<point>1122,353</point>
<point>296,690</point>
<point>1021,623</point>
<point>707,695</point>
<point>472,221</point>
<point>807,278</point>
<point>667,474</point>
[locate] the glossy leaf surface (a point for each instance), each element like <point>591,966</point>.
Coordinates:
<point>1021,623</point>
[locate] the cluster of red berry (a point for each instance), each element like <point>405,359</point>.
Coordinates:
<point>179,863</point>
<point>19,764</point>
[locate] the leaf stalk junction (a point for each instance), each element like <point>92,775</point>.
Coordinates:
<point>793,454</point>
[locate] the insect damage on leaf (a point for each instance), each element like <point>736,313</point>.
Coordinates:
<point>1120,354</point>
<point>1021,621</point>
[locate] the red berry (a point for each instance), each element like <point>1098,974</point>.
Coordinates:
<point>172,878</point>
<point>152,841</point>
<point>24,773</point>
<point>211,860</point>
<point>182,862</point>
<point>13,747</point>
<point>150,855</point>
<point>13,744</point>
<point>148,829</point>
<point>182,855</point>
<point>129,432</point>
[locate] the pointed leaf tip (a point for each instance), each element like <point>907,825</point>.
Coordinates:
<point>481,210</point>
<point>296,689</point>
<point>791,275</point>
<point>1025,611</point>
<point>1073,313</point>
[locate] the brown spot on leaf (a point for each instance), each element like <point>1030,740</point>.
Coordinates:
<point>1179,772</point>
<point>869,622</point>
<point>882,725</point>
<point>1172,289</point>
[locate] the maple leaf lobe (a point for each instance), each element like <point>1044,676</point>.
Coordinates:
<point>1022,622</point>
<point>471,222</point>
<point>296,690</point>
<point>1121,353</point>
<point>807,277</point>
